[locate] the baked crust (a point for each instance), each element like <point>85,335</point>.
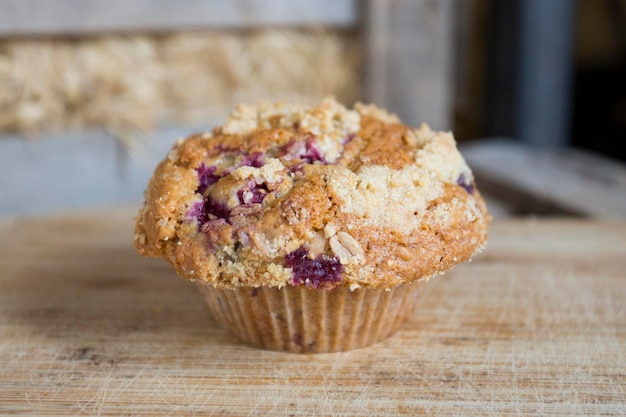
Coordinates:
<point>319,196</point>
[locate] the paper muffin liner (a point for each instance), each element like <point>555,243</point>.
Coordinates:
<point>303,320</point>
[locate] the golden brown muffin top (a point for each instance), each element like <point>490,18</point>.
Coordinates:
<point>319,196</point>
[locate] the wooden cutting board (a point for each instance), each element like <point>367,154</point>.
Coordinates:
<point>534,326</point>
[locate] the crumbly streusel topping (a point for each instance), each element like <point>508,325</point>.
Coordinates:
<point>320,196</point>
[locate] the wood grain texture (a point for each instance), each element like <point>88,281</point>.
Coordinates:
<point>409,51</point>
<point>41,17</point>
<point>83,169</point>
<point>565,180</point>
<point>534,326</point>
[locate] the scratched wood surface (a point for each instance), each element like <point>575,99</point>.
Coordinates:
<point>534,326</point>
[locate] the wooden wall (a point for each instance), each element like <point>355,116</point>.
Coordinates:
<point>407,68</point>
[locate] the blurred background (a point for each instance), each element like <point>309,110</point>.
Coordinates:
<point>93,93</point>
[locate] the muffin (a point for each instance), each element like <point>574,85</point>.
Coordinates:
<point>312,228</point>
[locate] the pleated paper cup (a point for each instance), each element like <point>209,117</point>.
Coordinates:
<point>303,320</point>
